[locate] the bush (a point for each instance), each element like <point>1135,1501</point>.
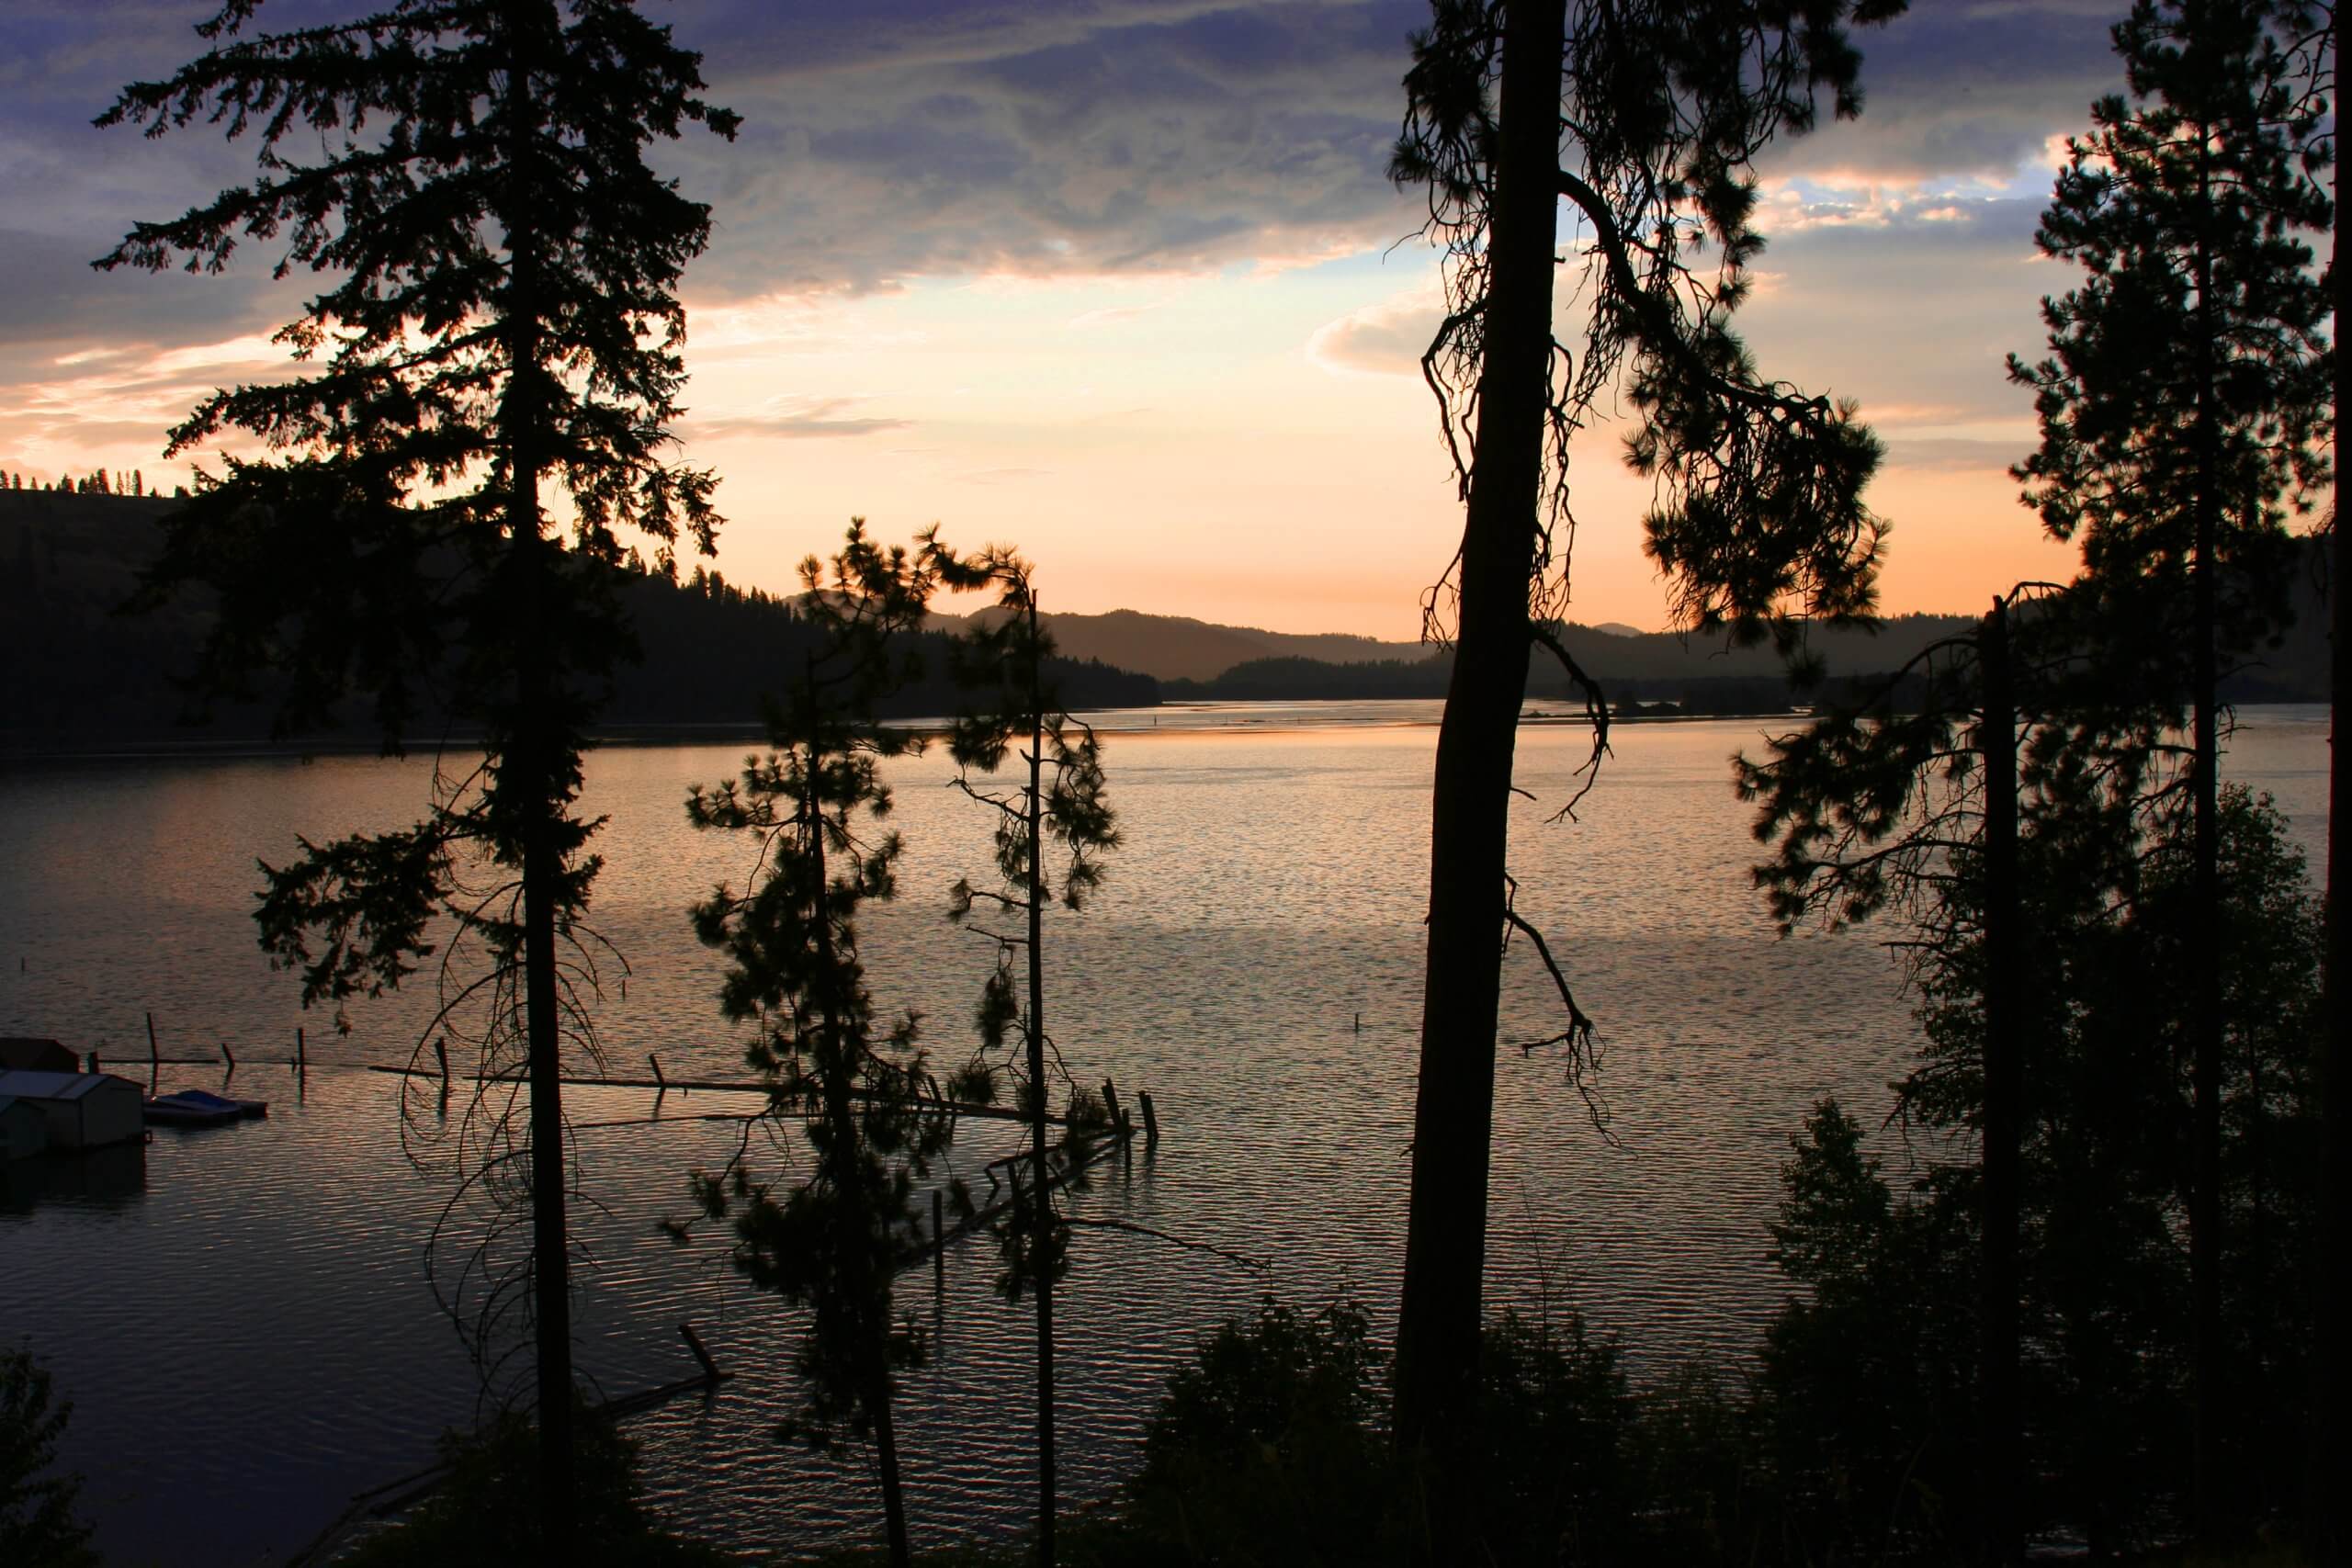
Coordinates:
<point>485,1514</point>
<point>1268,1449</point>
<point>38,1525</point>
<point>1273,1447</point>
<point>1549,1460</point>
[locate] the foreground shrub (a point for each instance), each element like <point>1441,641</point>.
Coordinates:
<point>483,1514</point>
<point>1273,1447</point>
<point>1269,1447</point>
<point>39,1528</point>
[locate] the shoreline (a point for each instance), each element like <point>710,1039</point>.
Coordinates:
<point>1282,717</point>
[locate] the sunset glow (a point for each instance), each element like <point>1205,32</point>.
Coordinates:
<point>1138,297</point>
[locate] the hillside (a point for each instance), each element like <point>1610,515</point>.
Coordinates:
<point>1700,676</point>
<point>1177,647</point>
<point>1212,658</point>
<point>78,672</point>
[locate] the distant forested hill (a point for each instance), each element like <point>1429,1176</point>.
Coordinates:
<point>1235,661</point>
<point>1201,661</point>
<point>75,672</point>
<point>1700,676</point>
<point>1176,648</point>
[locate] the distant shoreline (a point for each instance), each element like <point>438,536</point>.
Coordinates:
<point>1176,719</point>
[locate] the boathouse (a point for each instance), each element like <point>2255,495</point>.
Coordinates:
<point>24,1129</point>
<point>84,1109</point>
<point>18,1054</point>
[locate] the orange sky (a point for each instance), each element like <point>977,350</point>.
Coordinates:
<point>1129,290</point>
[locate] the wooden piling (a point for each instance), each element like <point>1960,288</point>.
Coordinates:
<point>938,1240</point>
<point>661,1083</point>
<point>154,1052</point>
<point>94,1062</point>
<point>702,1352</point>
<point>228,1056</point>
<point>441,1050</point>
<point>1150,1116</point>
<point>301,1050</point>
<point>1111,1104</point>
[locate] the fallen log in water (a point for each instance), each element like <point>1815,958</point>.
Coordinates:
<point>712,1086</point>
<point>1116,1139</point>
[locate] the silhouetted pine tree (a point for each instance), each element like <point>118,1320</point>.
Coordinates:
<point>2181,410</point>
<point>1930,810</point>
<point>2328,1521</point>
<point>1646,117</point>
<point>40,1516</point>
<point>1060,804</point>
<point>872,1112</point>
<point>469,177</point>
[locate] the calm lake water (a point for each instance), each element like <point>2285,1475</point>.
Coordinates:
<point>242,1316</point>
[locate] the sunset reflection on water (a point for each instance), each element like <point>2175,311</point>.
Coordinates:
<point>243,1321</point>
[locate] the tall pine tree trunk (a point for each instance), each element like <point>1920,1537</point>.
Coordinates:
<point>2205,958</point>
<point>1040,1184</point>
<point>2004,1074</point>
<point>1445,1246</point>
<point>538,747</point>
<point>856,1229</point>
<point>2332,1284</point>
<point>550,1252</point>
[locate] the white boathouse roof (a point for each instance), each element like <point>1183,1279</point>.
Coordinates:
<point>25,1085</point>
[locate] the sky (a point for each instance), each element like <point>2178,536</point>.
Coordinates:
<point>1123,283</point>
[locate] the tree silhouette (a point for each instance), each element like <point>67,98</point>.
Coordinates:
<point>499,311</point>
<point>1646,117</point>
<point>873,1114</point>
<point>39,1520</point>
<point>2329,1525</point>
<point>1060,804</point>
<point>1860,1379</point>
<point>1927,809</point>
<point>2181,408</point>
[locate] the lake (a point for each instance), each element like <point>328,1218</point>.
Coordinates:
<point>244,1318</point>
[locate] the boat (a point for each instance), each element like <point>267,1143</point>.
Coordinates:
<point>199,1108</point>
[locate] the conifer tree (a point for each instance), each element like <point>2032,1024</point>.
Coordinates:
<point>39,1519</point>
<point>498,266</point>
<point>1646,116</point>
<point>1930,811</point>
<point>2182,408</point>
<point>873,1113</point>
<point>1060,807</point>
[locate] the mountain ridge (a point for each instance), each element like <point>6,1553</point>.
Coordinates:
<point>75,662</point>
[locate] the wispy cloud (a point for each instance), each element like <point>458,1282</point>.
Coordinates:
<point>1939,454</point>
<point>996,476</point>
<point>1384,339</point>
<point>792,420</point>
